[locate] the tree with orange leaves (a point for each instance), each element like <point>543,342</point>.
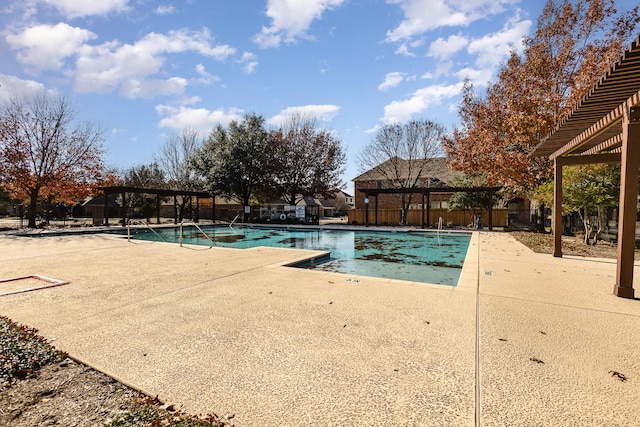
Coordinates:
<point>575,43</point>
<point>45,155</point>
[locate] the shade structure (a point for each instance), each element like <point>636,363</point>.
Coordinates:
<point>604,127</point>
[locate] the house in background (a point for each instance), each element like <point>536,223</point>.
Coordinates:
<point>338,205</point>
<point>436,174</point>
<point>427,205</point>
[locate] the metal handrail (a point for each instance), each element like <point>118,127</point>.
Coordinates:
<point>213,243</point>
<point>143,222</point>
<point>234,220</point>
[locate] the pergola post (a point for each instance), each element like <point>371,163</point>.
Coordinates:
<point>628,202</point>
<point>490,210</point>
<point>428,209</point>
<point>175,209</point>
<point>557,208</point>
<point>124,209</point>
<point>376,196</point>
<point>106,208</point>
<point>422,213</point>
<point>157,209</point>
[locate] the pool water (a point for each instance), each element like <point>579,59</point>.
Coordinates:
<point>425,257</point>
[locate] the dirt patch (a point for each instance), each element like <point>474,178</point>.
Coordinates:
<point>40,386</point>
<point>65,393</point>
<point>543,243</point>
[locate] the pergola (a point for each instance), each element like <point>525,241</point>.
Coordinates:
<point>604,128</point>
<point>123,190</point>
<point>425,192</point>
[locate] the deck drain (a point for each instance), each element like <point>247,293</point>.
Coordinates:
<point>29,283</point>
<point>488,272</point>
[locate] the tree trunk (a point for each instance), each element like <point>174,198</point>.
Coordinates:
<point>33,206</point>
<point>588,226</point>
<point>540,224</point>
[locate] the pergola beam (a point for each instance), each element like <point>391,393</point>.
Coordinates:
<point>597,128</point>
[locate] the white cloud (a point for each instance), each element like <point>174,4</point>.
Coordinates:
<point>165,9</point>
<point>200,119</point>
<point>402,111</point>
<point>80,8</point>
<point>249,61</point>
<point>112,65</point>
<point>444,49</point>
<point>15,87</point>
<point>391,80</point>
<point>206,78</point>
<point>421,16</point>
<point>324,112</point>
<point>290,20</point>
<point>45,47</point>
<point>493,48</point>
<point>403,49</point>
<point>150,88</point>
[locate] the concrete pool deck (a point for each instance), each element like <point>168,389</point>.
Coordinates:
<point>525,339</point>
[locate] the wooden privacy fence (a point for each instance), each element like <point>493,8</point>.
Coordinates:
<point>456,217</point>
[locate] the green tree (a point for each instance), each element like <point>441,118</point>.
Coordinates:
<point>143,176</point>
<point>477,202</point>
<point>232,161</point>
<point>588,190</point>
<point>46,155</point>
<point>305,160</point>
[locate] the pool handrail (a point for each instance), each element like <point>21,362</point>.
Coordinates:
<point>234,220</point>
<point>143,222</point>
<point>213,243</point>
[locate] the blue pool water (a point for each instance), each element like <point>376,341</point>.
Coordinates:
<point>415,256</point>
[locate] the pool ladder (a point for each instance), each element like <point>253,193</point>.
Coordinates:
<point>439,230</point>
<point>143,222</point>
<point>213,243</point>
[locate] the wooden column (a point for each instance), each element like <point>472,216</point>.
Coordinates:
<point>106,208</point>
<point>124,209</point>
<point>376,209</point>
<point>628,202</point>
<point>422,220</point>
<point>490,210</point>
<point>557,208</point>
<point>157,209</point>
<point>175,210</point>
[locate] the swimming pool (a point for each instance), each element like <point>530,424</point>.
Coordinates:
<point>419,256</point>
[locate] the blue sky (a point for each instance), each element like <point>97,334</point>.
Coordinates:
<point>144,70</point>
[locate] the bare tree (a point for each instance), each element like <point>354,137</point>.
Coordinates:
<point>306,160</point>
<point>400,156</point>
<point>174,159</point>
<point>45,155</point>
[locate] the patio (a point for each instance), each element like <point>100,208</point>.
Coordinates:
<point>524,339</point>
